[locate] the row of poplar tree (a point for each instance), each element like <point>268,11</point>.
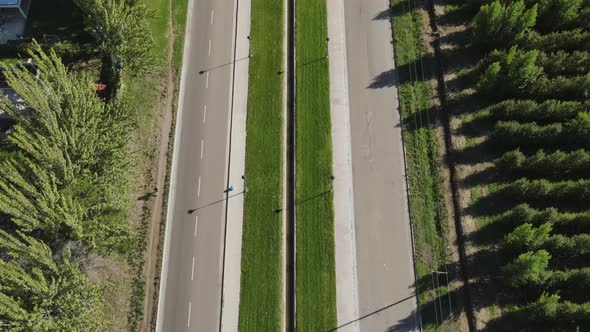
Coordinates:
<point>535,75</point>
<point>64,178</point>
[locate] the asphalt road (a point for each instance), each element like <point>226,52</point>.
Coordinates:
<point>383,240</point>
<point>192,284</point>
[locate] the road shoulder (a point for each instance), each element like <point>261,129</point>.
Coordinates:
<point>235,209</point>
<point>344,229</point>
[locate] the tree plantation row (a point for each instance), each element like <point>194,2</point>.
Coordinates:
<point>525,110</point>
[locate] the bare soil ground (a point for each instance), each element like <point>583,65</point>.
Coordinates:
<point>153,233</point>
<point>457,65</point>
<point>459,321</point>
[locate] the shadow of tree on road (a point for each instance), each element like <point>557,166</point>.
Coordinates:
<point>386,79</point>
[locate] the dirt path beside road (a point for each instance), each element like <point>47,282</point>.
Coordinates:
<point>166,111</point>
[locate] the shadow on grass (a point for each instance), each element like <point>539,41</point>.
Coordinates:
<point>478,153</point>
<point>520,321</point>
<point>462,14</point>
<point>482,177</point>
<point>476,127</point>
<point>303,65</point>
<point>423,118</point>
<point>493,203</point>
<point>59,17</point>
<point>314,197</point>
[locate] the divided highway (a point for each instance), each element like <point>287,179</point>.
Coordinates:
<point>191,285</point>
<point>192,270</point>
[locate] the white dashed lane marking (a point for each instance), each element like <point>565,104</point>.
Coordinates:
<point>188,323</point>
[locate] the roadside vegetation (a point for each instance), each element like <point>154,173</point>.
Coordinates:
<point>261,298</point>
<point>72,239</point>
<point>315,261</point>
<point>427,205</point>
<point>519,83</point>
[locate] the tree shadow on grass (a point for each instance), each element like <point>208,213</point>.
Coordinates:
<point>478,153</point>
<point>476,127</point>
<point>462,15</point>
<point>482,177</point>
<point>519,321</point>
<point>423,118</point>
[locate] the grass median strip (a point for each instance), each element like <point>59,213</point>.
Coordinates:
<point>315,261</point>
<point>262,276</point>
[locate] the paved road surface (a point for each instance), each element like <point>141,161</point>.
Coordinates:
<point>191,288</point>
<point>383,238</point>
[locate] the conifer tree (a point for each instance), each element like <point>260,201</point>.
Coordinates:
<point>497,24</point>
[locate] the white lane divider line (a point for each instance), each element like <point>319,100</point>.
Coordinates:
<point>209,47</point>
<point>204,113</point>
<point>202,148</point>
<point>193,270</point>
<point>188,323</point>
<point>199,187</point>
<point>196,224</point>
<point>207,82</point>
<point>211,16</point>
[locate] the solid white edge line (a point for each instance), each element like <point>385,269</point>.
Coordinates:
<point>173,174</point>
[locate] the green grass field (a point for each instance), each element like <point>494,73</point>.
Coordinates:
<point>315,262</point>
<point>179,17</point>
<point>159,24</point>
<point>427,208</point>
<point>262,272</point>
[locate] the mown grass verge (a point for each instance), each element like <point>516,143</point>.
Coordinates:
<point>315,262</point>
<point>179,18</point>
<point>427,209</point>
<point>261,279</point>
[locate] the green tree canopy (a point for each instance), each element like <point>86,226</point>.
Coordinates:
<point>516,71</point>
<point>497,24</point>
<point>68,178</point>
<point>557,14</point>
<point>526,236</point>
<point>122,30</point>
<point>39,294</point>
<point>528,268</point>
